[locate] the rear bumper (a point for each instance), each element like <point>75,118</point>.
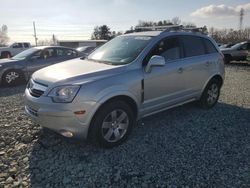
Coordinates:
<point>60,117</point>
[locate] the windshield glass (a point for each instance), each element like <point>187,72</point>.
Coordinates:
<point>236,46</point>
<point>25,54</point>
<point>121,50</point>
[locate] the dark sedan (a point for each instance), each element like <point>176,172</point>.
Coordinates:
<point>21,66</point>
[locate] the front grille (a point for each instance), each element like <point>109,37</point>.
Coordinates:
<point>36,92</point>
<point>36,89</point>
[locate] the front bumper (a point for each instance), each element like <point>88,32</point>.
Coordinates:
<point>60,117</point>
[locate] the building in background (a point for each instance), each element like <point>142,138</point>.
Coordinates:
<point>80,43</point>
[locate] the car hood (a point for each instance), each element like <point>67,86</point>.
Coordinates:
<point>75,71</point>
<point>5,61</point>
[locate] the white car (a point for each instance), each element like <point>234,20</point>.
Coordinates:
<point>14,49</point>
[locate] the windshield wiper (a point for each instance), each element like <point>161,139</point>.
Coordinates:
<point>100,61</point>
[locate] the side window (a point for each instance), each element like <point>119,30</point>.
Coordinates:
<point>70,52</point>
<point>44,54</point>
<point>210,48</point>
<point>60,52</point>
<point>26,45</point>
<point>168,48</point>
<point>193,46</point>
<point>66,52</point>
<point>17,45</point>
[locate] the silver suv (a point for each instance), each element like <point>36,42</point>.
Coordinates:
<point>128,78</point>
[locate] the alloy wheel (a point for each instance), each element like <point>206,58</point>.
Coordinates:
<point>213,93</point>
<point>115,125</point>
<point>11,77</point>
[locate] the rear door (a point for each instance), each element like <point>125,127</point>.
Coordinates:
<point>200,62</point>
<point>41,59</point>
<point>64,54</point>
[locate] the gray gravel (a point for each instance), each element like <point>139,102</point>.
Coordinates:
<point>182,147</point>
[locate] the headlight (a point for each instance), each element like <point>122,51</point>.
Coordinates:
<point>63,94</point>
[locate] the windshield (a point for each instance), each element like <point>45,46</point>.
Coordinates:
<point>25,54</point>
<point>236,46</point>
<point>121,50</point>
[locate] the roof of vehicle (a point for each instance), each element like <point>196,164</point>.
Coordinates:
<point>146,33</point>
<point>176,29</point>
<point>43,47</point>
<point>156,33</point>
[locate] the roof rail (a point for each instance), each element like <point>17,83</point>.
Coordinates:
<point>168,28</point>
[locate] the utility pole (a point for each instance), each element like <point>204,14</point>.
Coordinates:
<point>241,18</point>
<point>54,39</point>
<point>34,25</point>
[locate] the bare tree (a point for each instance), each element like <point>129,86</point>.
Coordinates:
<point>176,21</point>
<point>229,35</point>
<point>4,35</point>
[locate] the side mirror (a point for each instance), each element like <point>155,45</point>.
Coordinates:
<point>154,61</point>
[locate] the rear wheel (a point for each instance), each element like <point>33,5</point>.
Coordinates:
<point>112,124</point>
<point>210,95</point>
<point>5,55</point>
<point>12,77</point>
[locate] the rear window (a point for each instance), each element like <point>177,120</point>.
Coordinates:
<point>193,46</point>
<point>210,48</point>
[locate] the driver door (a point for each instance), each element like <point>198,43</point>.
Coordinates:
<point>40,60</point>
<point>164,85</point>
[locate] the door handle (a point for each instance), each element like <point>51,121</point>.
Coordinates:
<point>180,70</point>
<point>207,63</point>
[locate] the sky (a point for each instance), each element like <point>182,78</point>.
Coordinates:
<point>75,19</point>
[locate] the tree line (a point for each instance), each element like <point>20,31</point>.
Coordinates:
<point>104,32</point>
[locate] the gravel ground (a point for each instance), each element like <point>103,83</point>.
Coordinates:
<point>182,147</point>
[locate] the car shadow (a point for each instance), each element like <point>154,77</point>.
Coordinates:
<point>239,64</point>
<point>8,91</point>
<point>184,146</point>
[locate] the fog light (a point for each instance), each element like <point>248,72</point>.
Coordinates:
<point>67,134</point>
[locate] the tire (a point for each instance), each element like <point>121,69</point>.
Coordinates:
<point>5,55</point>
<point>210,95</point>
<point>12,78</point>
<point>112,124</point>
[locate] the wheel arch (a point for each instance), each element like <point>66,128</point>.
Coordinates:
<point>2,52</point>
<point>217,77</point>
<point>20,71</point>
<point>121,97</point>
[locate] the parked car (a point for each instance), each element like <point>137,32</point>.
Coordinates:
<point>84,51</point>
<point>237,52</point>
<point>21,66</point>
<point>128,78</point>
<point>12,50</point>
<point>226,45</point>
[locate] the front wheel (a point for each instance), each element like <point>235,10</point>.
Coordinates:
<point>210,95</point>
<point>12,77</point>
<point>112,124</point>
